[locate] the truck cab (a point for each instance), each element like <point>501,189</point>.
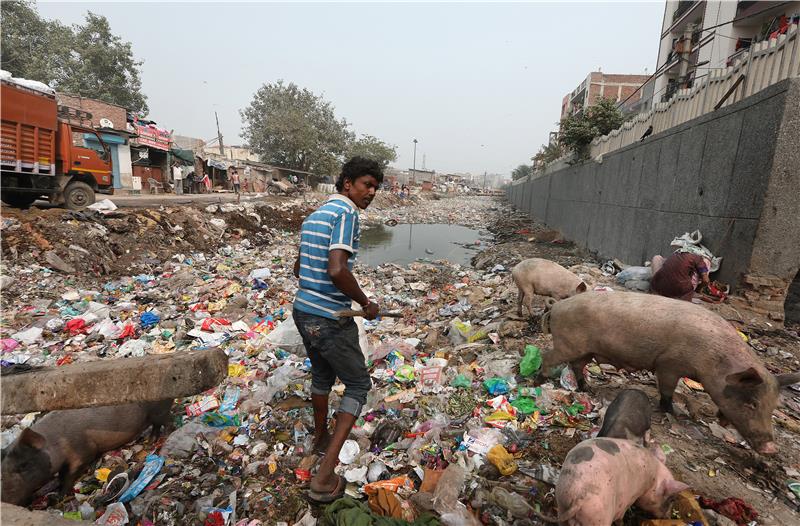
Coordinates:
<point>44,156</point>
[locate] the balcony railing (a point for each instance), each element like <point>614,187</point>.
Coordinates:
<point>764,64</point>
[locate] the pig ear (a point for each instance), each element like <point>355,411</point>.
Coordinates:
<point>32,439</point>
<point>788,379</point>
<point>747,378</point>
<point>672,486</point>
<point>581,288</point>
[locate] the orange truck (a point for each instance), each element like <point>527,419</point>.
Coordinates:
<point>44,157</point>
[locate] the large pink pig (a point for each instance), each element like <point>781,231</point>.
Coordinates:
<point>545,278</point>
<point>674,339</point>
<point>602,477</point>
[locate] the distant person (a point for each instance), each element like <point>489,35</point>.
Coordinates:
<point>234,174</point>
<point>177,176</point>
<point>679,274</point>
<point>246,184</point>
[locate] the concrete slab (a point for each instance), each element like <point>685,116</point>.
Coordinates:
<point>110,382</point>
<point>11,515</point>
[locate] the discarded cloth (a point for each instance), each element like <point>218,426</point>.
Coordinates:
<point>348,512</point>
<point>691,243</point>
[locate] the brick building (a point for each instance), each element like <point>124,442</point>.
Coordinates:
<point>598,84</point>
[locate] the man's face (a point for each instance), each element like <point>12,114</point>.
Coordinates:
<point>362,190</point>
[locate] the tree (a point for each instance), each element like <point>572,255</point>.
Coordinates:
<point>578,131</point>
<point>292,127</point>
<point>33,48</point>
<point>87,60</point>
<point>547,154</point>
<point>373,148</point>
<point>521,171</point>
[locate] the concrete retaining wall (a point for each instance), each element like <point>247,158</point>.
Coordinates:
<point>734,174</point>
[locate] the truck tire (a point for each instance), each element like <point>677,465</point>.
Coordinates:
<point>18,200</point>
<point>78,195</point>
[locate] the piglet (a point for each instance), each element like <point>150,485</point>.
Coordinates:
<point>545,278</point>
<point>602,477</point>
<point>66,442</point>
<point>628,417</point>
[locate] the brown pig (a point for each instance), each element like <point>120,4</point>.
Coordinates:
<point>674,339</point>
<point>545,278</point>
<point>65,442</point>
<point>602,477</point>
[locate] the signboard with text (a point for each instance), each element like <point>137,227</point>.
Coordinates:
<point>152,136</point>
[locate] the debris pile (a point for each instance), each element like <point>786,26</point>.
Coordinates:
<point>454,430</point>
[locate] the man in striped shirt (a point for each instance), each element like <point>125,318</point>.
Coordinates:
<point>328,245</point>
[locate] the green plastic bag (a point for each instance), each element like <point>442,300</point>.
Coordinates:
<point>525,405</point>
<point>461,381</point>
<point>531,362</point>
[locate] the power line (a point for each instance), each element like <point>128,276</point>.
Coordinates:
<point>704,29</point>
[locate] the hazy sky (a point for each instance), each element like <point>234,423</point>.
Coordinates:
<point>478,85</point>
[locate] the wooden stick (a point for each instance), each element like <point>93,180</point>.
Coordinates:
<point>354,313</point>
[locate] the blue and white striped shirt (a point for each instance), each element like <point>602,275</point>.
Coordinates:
<point>334,225</point>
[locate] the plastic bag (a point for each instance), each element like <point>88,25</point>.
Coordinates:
<point>181,443</point>
<point>531,362</point>
<point>287,337</point>
<point>525,405</point>
<point>115,515</point>
<point>461,380</point>
<point>445,498</point>
<point>512,502</point>
<point>496,386</point>
<point>502,460</point>
<point>635,274</point>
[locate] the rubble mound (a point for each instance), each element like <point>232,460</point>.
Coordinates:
<point>111,243</point>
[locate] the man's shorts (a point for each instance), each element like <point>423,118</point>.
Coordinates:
<point>332,347</point>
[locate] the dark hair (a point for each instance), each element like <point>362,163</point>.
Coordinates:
<point>357,167</point>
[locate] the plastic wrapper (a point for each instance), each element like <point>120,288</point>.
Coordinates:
<point>393,484</point>
<point>181,443</point>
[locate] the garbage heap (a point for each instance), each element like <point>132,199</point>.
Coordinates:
<point>453,432</point>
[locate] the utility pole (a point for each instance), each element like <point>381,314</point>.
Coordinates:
<point>219,136</point>
<point>484,180</point>
<point>414,169</point>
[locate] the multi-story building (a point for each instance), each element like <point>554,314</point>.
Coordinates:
<point>700,35</point>
<point>598,84</point>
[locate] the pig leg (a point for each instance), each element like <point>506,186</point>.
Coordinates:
<point>520,297</point>
<point>577,368</point>
<point>667,382</point>
<point>528,294</point>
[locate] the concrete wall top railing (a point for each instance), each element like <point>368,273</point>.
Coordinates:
<point>765,64</point>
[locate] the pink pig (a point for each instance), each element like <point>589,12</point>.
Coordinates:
<point>545,278</point>
<point>602,477</point>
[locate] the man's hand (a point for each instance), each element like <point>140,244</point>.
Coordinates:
<point>371,310</point>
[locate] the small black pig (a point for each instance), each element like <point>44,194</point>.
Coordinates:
<point>628,417</point>
<point>66,442</point>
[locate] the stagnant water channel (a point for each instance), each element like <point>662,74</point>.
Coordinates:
<point>405,243</point>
